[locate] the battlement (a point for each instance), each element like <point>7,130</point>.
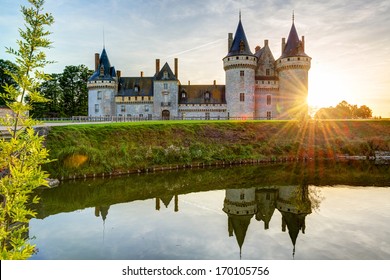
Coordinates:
<point>102,84</point>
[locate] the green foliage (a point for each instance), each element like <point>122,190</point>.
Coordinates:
<point>67,94</point>
<point>344,110</point>
<point>22,156</point>
<point>6,66</point>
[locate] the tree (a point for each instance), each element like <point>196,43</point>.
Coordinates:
<point>344,110</point>
<point>67,94</point>
<point>52,91</point>
<point>22,156</point>
<point>73,83</point>
<point>6,66</point>
<point>364,112</point>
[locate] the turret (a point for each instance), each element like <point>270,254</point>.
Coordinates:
<point>293,69</point>
<point>102,87</point>
<point>239,65</point>
<point>240,206</point>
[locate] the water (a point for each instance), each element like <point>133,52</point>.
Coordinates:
<point>275,212</point>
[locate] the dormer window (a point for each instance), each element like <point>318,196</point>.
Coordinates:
<point>207,96</point>
<point>101,70</point>
<point>165,75</point>
<point>136,89</point>
<point>183,95</point>
<point>242,46</point>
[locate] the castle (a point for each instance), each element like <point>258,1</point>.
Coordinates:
<point>257,86</point>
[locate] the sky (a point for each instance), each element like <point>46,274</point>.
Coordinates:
<point>348,41</point>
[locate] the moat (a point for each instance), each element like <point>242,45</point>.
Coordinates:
<point>278,212</point>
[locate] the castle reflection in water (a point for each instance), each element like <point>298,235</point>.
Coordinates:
<point>241,205</point>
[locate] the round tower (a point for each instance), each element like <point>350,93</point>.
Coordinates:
<point>239,65</point>
<point>293,69</point>
<point>102,87</point>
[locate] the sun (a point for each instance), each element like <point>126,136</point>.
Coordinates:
<point>327,88</point>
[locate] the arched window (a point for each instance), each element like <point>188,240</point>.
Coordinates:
<point>183,95</point>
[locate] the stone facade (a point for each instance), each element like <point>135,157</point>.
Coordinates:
<point>257,86</point>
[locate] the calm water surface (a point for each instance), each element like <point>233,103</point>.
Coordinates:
<point>249,212</point>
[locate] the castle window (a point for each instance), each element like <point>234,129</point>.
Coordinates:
<point>165,86</point>
<point>247,58</point>
<point>242,73</point>
<point>242,196</point>
<point>268,99</point>
<point>207,116</point>
<point>123,108</point>
<point>102,70</point>
<point>99,95</point>
<point>96,108</point>
<point>242,46</point>
<point>267,72</point>
<point>299,58</point>
<point>269,115</point>
<point>136,88</point>
<point>242,97</point>
<point>207,96</point>
<point>183,95</point>
<point>165,75</point>
<point>288,59</point>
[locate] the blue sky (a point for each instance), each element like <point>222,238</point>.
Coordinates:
<point>348,41</point>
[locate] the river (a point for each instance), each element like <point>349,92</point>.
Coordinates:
<point>306,211</point>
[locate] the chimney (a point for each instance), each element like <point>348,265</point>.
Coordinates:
<point>230,41</point>
<point>96,61</point>
<point>283,44</point>
<point>303,43</point>
<point>189,83</point>
<point>118,74</point>
<point>215,82</point>
<point>142,74</point>
<point>257,48</point>
<point>177,68</point>
<point>265,43</point>
<point>157,66</point>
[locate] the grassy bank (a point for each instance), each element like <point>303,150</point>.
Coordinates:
<point>120,147</point>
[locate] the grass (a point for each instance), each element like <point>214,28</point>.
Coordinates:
<point>119,147</point>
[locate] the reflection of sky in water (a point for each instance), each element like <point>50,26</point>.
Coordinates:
<point>351,223</point>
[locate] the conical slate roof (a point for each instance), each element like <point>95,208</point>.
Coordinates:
<point>294,46</point>
<point>240,43</point>
<point>109,72</point>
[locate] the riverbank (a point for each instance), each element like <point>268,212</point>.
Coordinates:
<point>120,148</point>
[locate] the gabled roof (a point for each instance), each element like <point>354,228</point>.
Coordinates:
<point>240,43</point>
<point>265,60</point>
<point>294,46</point>
<point>195,94</point>
<point>170,76</point>
<point>109,72</point>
